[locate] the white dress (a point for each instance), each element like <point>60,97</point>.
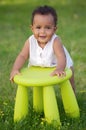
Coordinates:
<point>45,57</point>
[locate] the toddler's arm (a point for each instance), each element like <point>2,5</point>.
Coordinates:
<point>20,60</point>
<point>61,58</point>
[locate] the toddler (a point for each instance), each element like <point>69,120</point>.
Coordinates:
<point>44,48</point>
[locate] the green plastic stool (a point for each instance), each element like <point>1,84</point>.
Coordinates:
<point>44,98</point>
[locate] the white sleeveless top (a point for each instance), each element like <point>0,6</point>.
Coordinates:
<point>45,57</point>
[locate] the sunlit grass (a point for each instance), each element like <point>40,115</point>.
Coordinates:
<point>35,121</point>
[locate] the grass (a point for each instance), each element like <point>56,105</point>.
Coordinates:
<point>14,30</point>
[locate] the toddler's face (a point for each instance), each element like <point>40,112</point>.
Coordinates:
<point>43,27</point>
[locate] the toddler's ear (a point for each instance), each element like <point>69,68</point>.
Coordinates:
<point>31,27</point>
<point>55,28</point>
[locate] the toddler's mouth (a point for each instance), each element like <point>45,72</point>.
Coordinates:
<point>43,37</point>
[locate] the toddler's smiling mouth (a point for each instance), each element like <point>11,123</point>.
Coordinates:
<point>43,37</point>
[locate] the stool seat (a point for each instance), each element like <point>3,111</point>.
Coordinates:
<point>39,76</point>
<point>44,98</point>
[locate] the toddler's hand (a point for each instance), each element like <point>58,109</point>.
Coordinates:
<point>13,73</point>
<point>59,73</point>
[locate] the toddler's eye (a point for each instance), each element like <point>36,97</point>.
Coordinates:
<point>38,27</point>
<point>48,27</point>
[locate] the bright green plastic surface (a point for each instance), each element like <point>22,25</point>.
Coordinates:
<point>39,76</point>
<point>44,96</point>
<point>21,104</point>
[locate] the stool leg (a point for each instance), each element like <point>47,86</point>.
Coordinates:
<point>38,98</point>
<point>50,105</point>
<point>21,103</point>
<point>69,100</point>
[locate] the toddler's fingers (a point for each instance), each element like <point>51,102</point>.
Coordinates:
<point>61,74</point>
<point>12,76</point>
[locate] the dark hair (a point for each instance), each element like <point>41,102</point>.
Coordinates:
<point>43,10</point>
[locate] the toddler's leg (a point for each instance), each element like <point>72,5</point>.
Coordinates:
<point>72,79</point>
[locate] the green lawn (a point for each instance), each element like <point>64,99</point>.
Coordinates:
<point>14,30</point>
